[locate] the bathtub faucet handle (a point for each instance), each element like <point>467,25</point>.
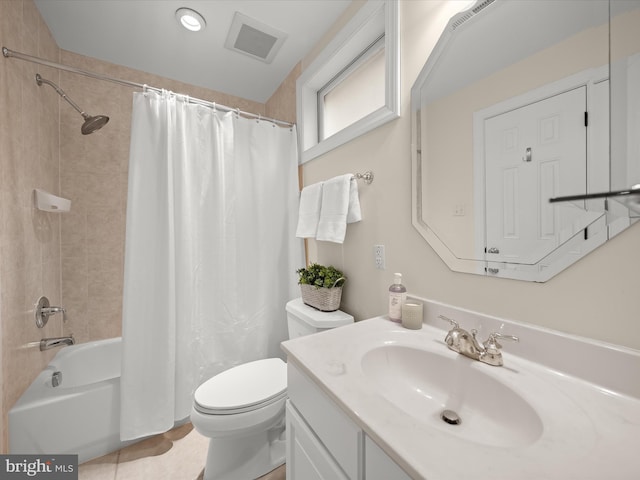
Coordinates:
<point>44,310</point>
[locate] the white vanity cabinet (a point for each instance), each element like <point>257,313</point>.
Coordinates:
<point>307,457</point>
<point>323,443</point>
<point>378,465</point>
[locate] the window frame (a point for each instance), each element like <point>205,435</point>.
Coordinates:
<point>375,19</point>
<point>370,51</point>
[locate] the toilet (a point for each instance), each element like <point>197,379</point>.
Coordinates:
<point>242,410</point>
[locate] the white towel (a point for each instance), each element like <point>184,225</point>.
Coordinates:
<point>353,213</point>
<point>340,205</point>
<point>309,211</point>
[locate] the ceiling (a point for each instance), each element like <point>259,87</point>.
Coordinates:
<point>145,35</point>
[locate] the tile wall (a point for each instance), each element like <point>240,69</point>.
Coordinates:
<point>29,239</point>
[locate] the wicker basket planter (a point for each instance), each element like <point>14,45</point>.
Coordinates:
<point>321,298</point>
<point>321,287</point>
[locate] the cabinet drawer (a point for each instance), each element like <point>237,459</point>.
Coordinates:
<point>307,458</point>
<point>338,433</point>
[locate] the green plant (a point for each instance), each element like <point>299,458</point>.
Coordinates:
<point>320,276</point>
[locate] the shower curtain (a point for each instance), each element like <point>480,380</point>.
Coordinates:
<point>210,253</point>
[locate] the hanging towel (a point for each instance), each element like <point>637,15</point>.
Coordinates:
<point>353,213</point>
<point>309,211</point>
<point>340,205</point>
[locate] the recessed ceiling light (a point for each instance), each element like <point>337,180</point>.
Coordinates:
<point>190,19</point>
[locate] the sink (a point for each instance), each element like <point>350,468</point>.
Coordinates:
<point>561,407</point>
<point>424,383</point>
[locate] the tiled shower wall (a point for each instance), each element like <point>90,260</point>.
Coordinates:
<point>76,258</point>
<point>29,239</point>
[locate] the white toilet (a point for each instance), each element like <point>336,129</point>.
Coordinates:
<point>242,410</point>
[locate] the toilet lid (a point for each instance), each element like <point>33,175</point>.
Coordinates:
<point>243,388</point>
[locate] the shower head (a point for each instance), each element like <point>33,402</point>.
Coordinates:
<point>91,124</point>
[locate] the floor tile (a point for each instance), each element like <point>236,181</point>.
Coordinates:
<point>179,454</point>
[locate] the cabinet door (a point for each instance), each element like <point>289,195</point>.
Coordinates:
<point>307,459</point>
<point>341,437</point>
<point>378,465</point>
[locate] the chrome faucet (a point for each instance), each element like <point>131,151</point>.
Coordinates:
<point>47,343</point>
<point>466,343</point>
<point>52,310</point>
<point>44,310</point>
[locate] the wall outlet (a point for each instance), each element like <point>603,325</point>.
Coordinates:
<point>378,256</point>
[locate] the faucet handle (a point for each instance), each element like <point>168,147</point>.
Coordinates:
<point>492,354</point>
<point>491,345</point>
<point>453,323</point>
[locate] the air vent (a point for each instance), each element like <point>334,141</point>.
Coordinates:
<point>253,38</point>
<point>472,13</point>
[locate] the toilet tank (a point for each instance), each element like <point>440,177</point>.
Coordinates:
<point>305,320</point>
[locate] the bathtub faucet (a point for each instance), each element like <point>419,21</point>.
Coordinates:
<point>44,310</point>
<point>47,343</point>
<point>52,310</point>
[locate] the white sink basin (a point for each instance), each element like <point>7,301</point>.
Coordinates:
<point>424,384</point>
<point>537,417</point>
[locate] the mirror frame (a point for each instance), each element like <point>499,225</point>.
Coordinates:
<point>567,253</point>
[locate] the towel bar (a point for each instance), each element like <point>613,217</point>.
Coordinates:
<point>366,176</point>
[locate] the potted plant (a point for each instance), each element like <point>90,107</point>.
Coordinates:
<point>321,286</point>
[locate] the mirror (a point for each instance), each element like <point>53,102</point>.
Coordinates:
<point>513,107</point>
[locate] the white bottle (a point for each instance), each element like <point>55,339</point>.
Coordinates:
<point>397,296</point>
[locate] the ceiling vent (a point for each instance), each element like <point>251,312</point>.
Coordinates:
<point>254,38</point>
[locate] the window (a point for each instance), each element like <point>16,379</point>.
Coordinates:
<point>353,85</point>
<point>354,93</point>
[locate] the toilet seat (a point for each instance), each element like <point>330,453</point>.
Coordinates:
<point>243,388</point>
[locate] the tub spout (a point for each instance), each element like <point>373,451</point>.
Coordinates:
<point>47,343</point>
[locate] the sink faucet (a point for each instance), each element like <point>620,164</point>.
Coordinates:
<point>466,343</point>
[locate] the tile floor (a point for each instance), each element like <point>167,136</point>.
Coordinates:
<point>179,454</point>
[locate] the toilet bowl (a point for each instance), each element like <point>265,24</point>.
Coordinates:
<point>242,410</point>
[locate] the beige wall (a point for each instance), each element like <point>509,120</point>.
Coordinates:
<point>282,104</point>
<point>597,297</point>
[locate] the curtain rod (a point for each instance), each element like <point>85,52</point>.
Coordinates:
<point>22,56</point>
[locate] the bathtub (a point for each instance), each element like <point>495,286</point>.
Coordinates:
<point>79,416</point>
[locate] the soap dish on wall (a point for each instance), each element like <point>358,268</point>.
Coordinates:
<point>47,202</point>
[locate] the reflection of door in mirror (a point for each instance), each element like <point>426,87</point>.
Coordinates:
<point>533,153</point>
<point>480,64</point>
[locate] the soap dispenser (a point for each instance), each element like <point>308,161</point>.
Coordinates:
<point>397,296</point>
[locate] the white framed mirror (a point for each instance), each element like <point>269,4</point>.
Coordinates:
<point>514,106</point>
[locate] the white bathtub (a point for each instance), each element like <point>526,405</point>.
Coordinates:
<point>81,415</point>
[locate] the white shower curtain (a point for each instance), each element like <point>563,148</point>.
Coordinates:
<point>210,253</point>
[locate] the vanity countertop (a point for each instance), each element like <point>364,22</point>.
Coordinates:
<point>581,429</point>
